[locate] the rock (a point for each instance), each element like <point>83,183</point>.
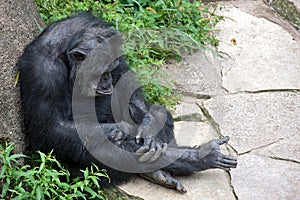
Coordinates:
<point>258,177</point>
<point>198,74</point>
<point>208,185</point>
<point>193,133</point>
<point>287,149</point>
<point>188,110</point>
<point>257,120</point>
<point>252,64</point>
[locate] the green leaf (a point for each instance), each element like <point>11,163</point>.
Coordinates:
<point>95,181</point>
<point>3,171</point>
<point>86,173</point>
<point>91,192</point>
<point>15,156</point>
<point>5,188</point>
<point>39,193</point>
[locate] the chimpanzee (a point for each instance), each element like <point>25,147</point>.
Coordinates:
<point>80,100</point>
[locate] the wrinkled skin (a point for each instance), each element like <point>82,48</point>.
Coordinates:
<point>52,66</point>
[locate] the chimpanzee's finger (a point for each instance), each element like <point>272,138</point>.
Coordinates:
<point>142,150</point>
<point>180,187</point>
<point>229,158</point>
<point>223,140</point>
<point>164,147</point>
<point>157,153</point>
<point>147,156</point>
<point>225,165</point>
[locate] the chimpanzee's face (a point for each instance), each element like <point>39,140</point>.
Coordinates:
<point>92,67</point>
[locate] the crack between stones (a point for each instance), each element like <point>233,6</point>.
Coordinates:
<point>194,117</point>
<point>192,94</point>
<point>232,188</point>
<point>215,126</point>
<point>263,91</point>
<point>273,90</point>
<point>209,118</point>
<point>260,147</point>
<point>284,159</point>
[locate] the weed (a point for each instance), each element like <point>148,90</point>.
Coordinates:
<point>45,179</point>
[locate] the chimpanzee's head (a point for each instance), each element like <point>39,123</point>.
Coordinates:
<point>93,54</point>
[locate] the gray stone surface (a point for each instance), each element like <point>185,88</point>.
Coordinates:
<point>198,74</point>
<point>188,110</point>
<point>207,185</point>
<point>287,149</point>
<point>193,133</point>
<point>258,177</point>
<point>265,128</point>
<point>264,57</point>
<point>256,120</point>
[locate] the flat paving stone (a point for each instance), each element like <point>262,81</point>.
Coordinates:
<point>198,74</point>
<point>259,177</point>
<point>193,133</point>
<point>258,54</point>
<point>188,110</point>
<point>287,148</point>
<point>257,120</point>
<point>207,185</point>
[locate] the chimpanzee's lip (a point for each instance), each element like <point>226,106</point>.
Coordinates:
<point>104,90</point>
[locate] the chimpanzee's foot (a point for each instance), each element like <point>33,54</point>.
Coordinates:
<point>165,179</point>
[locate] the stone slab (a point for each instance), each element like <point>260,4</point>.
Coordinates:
<point>258,54</point>
<point>193,133</point>
<point>287,148</point>
<point>208,185</point>
<point>258,177</point>
<point>198,74</point>
<point>188,110</point>
<point>257,120</point>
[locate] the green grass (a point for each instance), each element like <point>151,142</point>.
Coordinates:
<point>154,32</point>
<point>44,178</point>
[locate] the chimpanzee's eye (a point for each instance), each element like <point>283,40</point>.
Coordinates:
<point>79,56</point>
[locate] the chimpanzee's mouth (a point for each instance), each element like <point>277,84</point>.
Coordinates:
<point>104,90</point>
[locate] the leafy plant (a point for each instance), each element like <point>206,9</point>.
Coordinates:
<point>46,179</point>
<point>154,31</point>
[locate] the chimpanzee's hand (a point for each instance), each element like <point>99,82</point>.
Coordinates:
<point>211,156</point>
<point>151,150</point>
<point>153,122</point>
<point>118,134</point>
